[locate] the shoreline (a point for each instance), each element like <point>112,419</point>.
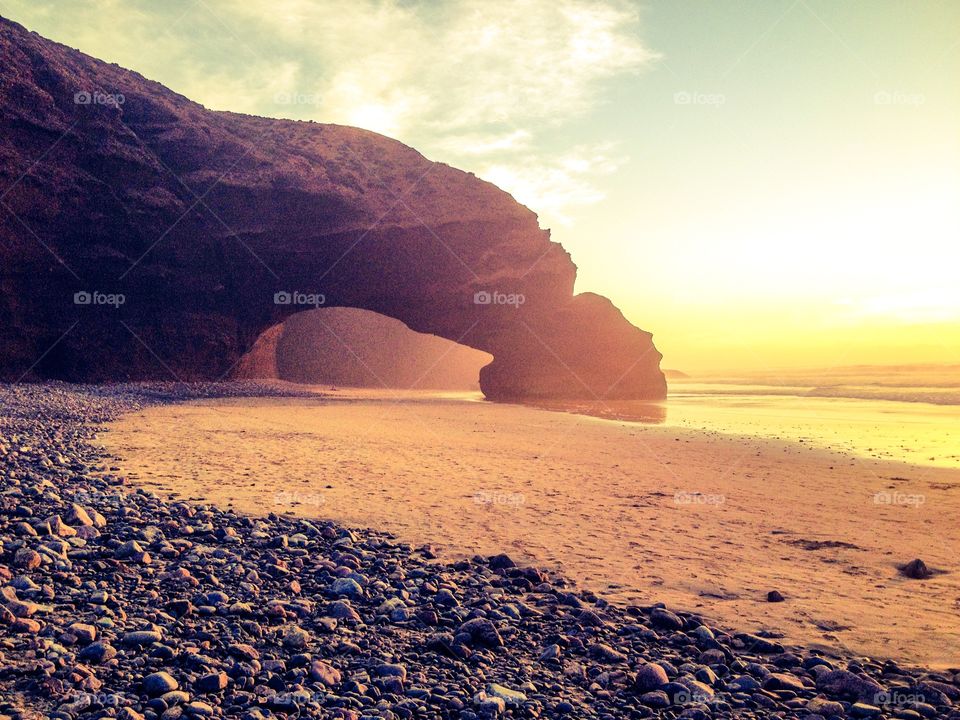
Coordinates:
<point>823,528</point>
<point>338,623</point>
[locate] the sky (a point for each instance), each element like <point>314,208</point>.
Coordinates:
<point>762,184</point>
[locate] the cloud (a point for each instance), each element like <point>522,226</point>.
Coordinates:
<point>476,83</point>
<point>555,186</point>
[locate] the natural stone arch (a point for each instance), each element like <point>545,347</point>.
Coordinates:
<point>198,218</point>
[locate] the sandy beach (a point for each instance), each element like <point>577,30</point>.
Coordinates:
<point>701,520</point>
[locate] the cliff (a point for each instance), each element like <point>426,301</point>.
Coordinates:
<point>144,236</point>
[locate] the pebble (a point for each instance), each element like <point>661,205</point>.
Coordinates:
<point>649,676</point>
<point>159,683</point>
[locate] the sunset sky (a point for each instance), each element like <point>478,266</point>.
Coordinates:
<point>760,183</point>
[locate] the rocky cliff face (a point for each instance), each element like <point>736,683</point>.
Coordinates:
<point>143,236</point>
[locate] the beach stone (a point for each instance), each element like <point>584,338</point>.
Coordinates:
<point>295,637</point>
<point>863,710</point>
<point>551,653</point>
<point>25,529</point>
<point>211,682</point>
<point>27,559</point>
<point>774,596</point>
<point>141,638</point>
<point>180,607</point>
<point>649,677</point>
<point>757,644</point>
<point>22,608</point>
<point>128,549</point>
<point>446,598</point>
<point>159,683</point>
<point>665,619</point>
<point>697,692</point>
<point>325,673</point>
<point>707,675</point>
<point>198,709</point>
<point>844,684</point>
<point>501,562</point>
<point>77,515</point>
<point>347,587</point>
<point>488,706</point>
<point>242,651</point>
<point>605,653</point>
<point>511,698</point>
<point>656,699</point>
<point>97,653</point>
<point>84,633</point>
<point>59,528</point>
<point>916,570</point>
<point>26,626</point>
<point>343,610</point>
<point>391,670</point>
<point>482,632</point>
<point>743,683</point>
<point>826,708</point>
<point>783,681</point>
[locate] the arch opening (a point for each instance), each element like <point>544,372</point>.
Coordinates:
<point>353,347</point>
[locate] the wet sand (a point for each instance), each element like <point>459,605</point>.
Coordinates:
<point>700,520</point>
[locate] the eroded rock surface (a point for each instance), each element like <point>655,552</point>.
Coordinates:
<point>114,186</point>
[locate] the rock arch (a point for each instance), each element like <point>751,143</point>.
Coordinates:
<point>201,220</point>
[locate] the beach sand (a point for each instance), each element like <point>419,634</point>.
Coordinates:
<point>700,520</point>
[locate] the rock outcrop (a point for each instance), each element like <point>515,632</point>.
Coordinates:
<point>144,236</point>
<point>358,348</point>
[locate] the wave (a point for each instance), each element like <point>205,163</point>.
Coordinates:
<point>934,396</point>
<point>890,393</point>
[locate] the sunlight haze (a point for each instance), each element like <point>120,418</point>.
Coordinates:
<point>771,186</point>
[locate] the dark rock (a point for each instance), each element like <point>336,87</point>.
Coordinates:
<point>916,570</point>
<point>159,683</point>
<point>211,683</point>
<point>325,673</point>
<point>142,638</point>
<point>27,559</point>
<point>97,653</point>
<point>649,677</point>
<point>482,632</point>
<point>663,618</point>
<point>757,644</point>
<point>845,685</point>
<point>501,562</point>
